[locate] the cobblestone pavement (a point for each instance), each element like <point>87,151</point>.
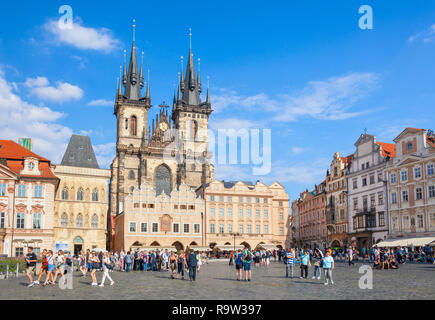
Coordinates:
<point>217,281</point>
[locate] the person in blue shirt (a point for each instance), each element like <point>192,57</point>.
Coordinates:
<point>290,262</point>
<point>192,264</point>
<point>371,254</point>
<point>305,260</point>
<point>238,258</point>
<point>328,266</point>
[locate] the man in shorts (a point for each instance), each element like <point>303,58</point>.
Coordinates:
<point>44,265</point>
<point>239,264</point>
<point>247,260</point>
<point>31,260</point>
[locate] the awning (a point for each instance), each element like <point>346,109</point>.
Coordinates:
<point>229,247</point>
<point>99,250</point>
<point>268,246</point>
<point>416,242</point>
<point>152,248</point>
<point>197,248</point>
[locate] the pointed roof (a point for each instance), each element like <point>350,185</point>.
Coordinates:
<point>132,81</point>
<point>191,90</point>
<point>80,153</point>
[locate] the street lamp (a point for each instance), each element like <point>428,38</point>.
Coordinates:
<point>235,234</point>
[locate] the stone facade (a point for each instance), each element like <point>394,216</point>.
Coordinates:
<point>411,185</point>
<point>148,220</point>
<point>169,152</point>
<point>81,207</point>
<point>27,189</point>
<point>240,213</point>
<point>336,209</point>
<point>367,191</point>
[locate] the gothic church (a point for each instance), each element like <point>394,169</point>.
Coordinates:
<point>172,150</point>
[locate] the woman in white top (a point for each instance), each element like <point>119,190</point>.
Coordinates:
<point>60,267</point>
<point>106,262</point>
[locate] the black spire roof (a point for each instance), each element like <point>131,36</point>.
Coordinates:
<point>80,153</point>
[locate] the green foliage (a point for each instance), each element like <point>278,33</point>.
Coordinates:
<point>12,263</point>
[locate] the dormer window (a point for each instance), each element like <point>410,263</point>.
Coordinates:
<point>409,146</point>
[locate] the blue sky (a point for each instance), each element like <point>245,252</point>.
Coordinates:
<point>303,69</point>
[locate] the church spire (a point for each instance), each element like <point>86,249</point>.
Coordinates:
<point>207,100</point>
<point>190,92</point>
<point>119,91</point>
<point>124,77</point>
<point>182,76</point>
<point>198,79</point>
<point>141,72</point>
<point>148,86</point>
<point>132,87</point>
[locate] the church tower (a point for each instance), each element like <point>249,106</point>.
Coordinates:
<point>190,116</point>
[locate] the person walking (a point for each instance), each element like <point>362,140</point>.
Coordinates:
<point>121,259</point>
<point>328,266</point>
<point>305,261</point>
<point>60,267</point>
<point>172,264</point>
<point>181,264</point>
<point>247,261</point>
<point>231,258</point>
<point>31,260</point>
<point>43,267</point>
<point>50,268</point>
<point>318,256</point>
<point>95,263</point>
<point>192,262</point>
<point>350,254</point>
<point>106,264</point>
<point>238,258</point>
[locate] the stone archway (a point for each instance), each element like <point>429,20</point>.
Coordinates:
<point>178,245</point>
<point>245,244</point>
<point>155,244</point>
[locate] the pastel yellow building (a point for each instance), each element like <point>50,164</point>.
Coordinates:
<point>242,214</point>
<point>81,202</point>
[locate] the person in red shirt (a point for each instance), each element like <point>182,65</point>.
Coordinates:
<point>44,265</point>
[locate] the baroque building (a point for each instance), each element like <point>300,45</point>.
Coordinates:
<point>336,208</point>
<point>239,214</point>
<point>169,152</point>
<point>81,203</point>
<point>27,189</point>
<point>367,191</point>
<point>411,185</point>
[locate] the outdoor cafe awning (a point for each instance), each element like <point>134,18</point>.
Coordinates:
<point>197,248</point>
<point>416,242</point>
<point>229,247</point>
<point>268,246</point>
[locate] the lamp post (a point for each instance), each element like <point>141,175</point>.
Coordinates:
<point>235,234</point>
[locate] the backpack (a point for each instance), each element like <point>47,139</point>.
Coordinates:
<point>68,261</point>
<point>248,256</point>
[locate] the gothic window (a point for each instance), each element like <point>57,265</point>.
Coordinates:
<point>79,221</point>
<point>126,123</point>
<point>131,175</point>
<point>193,129</point>
<point>94,221</point>
<point>163,180</point>
<point>95,195</point>
<point>65,194</point>
<point>80,194</point>
<point>133,126</point>
<point>64,220</point>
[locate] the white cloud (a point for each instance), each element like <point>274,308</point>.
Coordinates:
<point>297,150</point>
<point>425,36</point>
<point>233,123</point>
<point>83,37</point>
<point>62,92</point>
<point>28,120</point>
<point>101,102</point>
<point>330,99</point>
<point>105,153</point>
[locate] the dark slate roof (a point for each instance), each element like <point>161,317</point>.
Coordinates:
<point>80,153</point>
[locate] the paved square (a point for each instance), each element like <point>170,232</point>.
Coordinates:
<point>216,281</point>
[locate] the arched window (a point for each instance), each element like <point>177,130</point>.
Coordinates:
<point>163,180</point>
<point>65,194</point>
<point>133,126</point>
<point>79,221</point>
<point>64,220</point>
<point>95,195</point>
<point>94,221</point>
<point>126,123</point>
<point>80,194</point>
<point>193,130</point>
<point>131,175</point>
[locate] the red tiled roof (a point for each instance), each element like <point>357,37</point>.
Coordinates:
<point>347,160</point>
<point>388,149</point>
<point>15,155</point>
<point>431,141</point>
